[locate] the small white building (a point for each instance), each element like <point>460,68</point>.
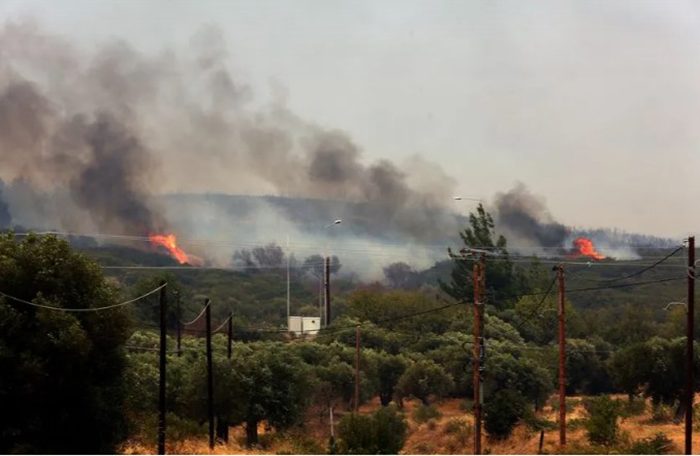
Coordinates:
<point>304,325</point>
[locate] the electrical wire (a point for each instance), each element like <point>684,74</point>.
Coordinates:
<point>537,307</point>
<point>198,316</point>
<point>88,309</point>
<point>221,326</point>
<point>643,270</point>
<point>441,308</point>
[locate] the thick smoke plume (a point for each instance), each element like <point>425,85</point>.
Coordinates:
<point>526,218</point>
<point>107,131</point>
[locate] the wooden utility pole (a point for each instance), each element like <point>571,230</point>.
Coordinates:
<point>327,288</point>
<point>179,324</point>
<point>230,333</point>
<point>357,368</point>
<point>210,374</point>
<point>477,280</point>
<point>162,365</point>
<point>690,327</point>
<point>562,357</point>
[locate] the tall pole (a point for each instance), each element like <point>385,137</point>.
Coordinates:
<point>562,358</point>
<point>210,375</point>
<point>476,280</point>
<point>288,287</point>
<point>179,324</point>
<point>357,368</point>
<point>689,383</point>
<point>162,365</point>
<point>230,333</point>
<point>327,288</point>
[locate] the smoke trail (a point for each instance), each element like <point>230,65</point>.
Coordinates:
<point>116,126</point>
<point>526,217</point>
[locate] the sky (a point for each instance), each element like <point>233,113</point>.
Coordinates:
<point>593,105</point>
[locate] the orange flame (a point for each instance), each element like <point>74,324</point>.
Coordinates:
<point>169,241</point>
<point>585,247</point>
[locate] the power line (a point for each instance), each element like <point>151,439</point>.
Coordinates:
<point>643,270</point>
<point>204,309</point>
<point>538,306</point>
<point>89,309</point>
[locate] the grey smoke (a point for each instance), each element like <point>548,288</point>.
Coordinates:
<point>525,217</point>
<point>116,127</point>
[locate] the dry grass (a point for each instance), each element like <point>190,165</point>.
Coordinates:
<point>425,438</point>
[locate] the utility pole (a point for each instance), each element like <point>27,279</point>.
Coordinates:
<point>327,288</point>
<point>210,375</point>
<point>230,333</point>
<point>357,368</point>
<point>162,365</point>
<point>562,357</point>
<point>689,382</point>
<point>288,289</point>
<point>179,324</point>
<point>478,278</point>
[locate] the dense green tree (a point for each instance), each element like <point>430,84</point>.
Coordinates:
<point>502,412</point>
<point>60,387</point>
<point>602,424</point>
<point>383,432</point>
<point>387,370</point>
<point>503,283</point>
<point>275,388</point>
<point>655,367</point>
<point>424,379</point>
<point>180,305</point>
<point>586,372</point>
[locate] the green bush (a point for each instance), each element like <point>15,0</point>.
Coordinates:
<point>306,445</point>
<point>658,444</point>
<point>661,413</point>
<point>502,412</point>
<point>460,429</point>
<point>635,407</point>
<point>423,413</point>
<point>571,403</point>
<point>383,432</point>
<point>536,423</point>
<point>601,425</point>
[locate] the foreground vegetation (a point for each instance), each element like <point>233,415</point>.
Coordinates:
<point>87,381</point>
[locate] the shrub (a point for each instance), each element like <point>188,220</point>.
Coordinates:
<point>571,403</point>
<point>383,432</point>
<point>432,424</point>
<point>601,425</point>
<point>537,423</point>
<point>658,444</point>
<point>502,413</point>
<point>661,413</point>
<point>306,445</point>
<point>635,407</point>
<point>424,379</point>
<point>423,413</point>
<point>460,429</point>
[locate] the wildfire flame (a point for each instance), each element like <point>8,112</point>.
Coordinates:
<point>585,247</point>
<point>169,241</point>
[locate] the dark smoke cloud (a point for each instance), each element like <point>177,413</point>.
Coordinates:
<point>111,184</point>
<point>115,127</point>
<point>525,216</point>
